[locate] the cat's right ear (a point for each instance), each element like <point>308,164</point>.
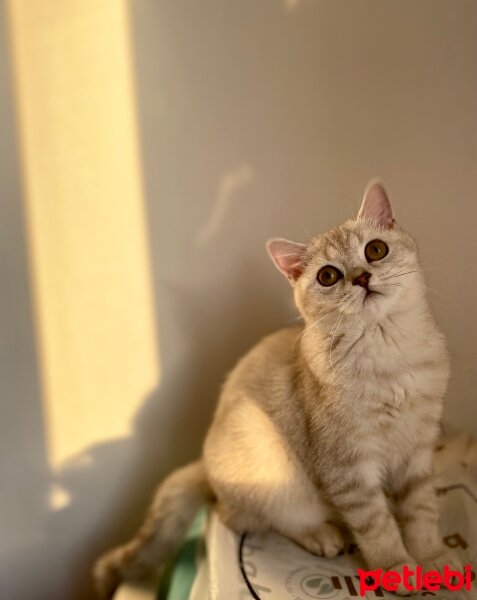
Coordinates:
<point>376,205</point>
<point>288,257</point>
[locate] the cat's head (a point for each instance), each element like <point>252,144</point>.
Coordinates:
<point>364,269</point>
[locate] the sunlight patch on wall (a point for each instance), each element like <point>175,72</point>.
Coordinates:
<point>58,498</point>
<point>231,183</point>
<point>85,217</point>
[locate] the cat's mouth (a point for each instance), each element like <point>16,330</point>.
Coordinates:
<point>369,294</point>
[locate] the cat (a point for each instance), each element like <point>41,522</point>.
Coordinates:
<point>325,427</point>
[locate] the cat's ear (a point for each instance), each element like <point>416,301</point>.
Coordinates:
<point>288,257</point>
<point>376,205</point>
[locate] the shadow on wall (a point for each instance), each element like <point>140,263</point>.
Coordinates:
<point>112,482</point>
<point>24,474</point>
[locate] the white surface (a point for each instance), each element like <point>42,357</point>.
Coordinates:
<point>257,119</point>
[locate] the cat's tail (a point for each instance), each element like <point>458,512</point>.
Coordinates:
<point>176,501</point>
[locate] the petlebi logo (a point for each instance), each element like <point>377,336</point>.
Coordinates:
<point>305,583</point>
<point>416,580</point>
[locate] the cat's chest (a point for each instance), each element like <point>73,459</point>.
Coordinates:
<point>394,420</point>
<point>395,384</point>
<point>375,352</point>
<point>390,364</point>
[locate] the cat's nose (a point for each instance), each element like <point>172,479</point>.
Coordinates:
<point>362,279</point>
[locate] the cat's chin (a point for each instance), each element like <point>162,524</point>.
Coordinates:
<point>371,295</point>
<point>374,306</point>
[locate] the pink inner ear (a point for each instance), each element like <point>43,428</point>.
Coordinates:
<point>376,205</point>
<point>288,256</point>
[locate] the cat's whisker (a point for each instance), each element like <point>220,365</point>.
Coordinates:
<point>334,330</point>
<point>314,324</point>
<point>399,274</point>
<point>299,318</point>
<point>389,272</point>
<point>445,297</point>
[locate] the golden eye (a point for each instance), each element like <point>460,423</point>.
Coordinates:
<point>375,250</point>
<point>328,275</point>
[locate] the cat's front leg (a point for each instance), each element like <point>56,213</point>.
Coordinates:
<point>417,510</point>
<point>357,494</point>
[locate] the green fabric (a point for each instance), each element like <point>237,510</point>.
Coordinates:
<point>179,575</point>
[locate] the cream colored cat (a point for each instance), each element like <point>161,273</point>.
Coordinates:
<point>325,425</point>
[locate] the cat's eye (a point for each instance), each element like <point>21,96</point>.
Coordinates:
<point>375,250</point>
<point>328,275</point>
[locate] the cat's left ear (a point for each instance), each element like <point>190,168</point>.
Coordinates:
<point>376,205</point>
<point>288,257</point>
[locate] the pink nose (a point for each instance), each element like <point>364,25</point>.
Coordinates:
<point>362,279</point>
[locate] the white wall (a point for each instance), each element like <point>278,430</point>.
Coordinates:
<point>257,119</point>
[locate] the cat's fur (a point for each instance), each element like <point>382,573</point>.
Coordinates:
<point>328,424</point>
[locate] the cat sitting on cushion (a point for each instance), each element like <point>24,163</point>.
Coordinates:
<point>328,425</point>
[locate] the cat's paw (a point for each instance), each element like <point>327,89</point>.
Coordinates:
<point>439,561</point>
<point>327,541</point>
<point>403,590</point>
<point>442,559</point>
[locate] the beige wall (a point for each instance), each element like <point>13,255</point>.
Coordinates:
<point>256,119</point>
